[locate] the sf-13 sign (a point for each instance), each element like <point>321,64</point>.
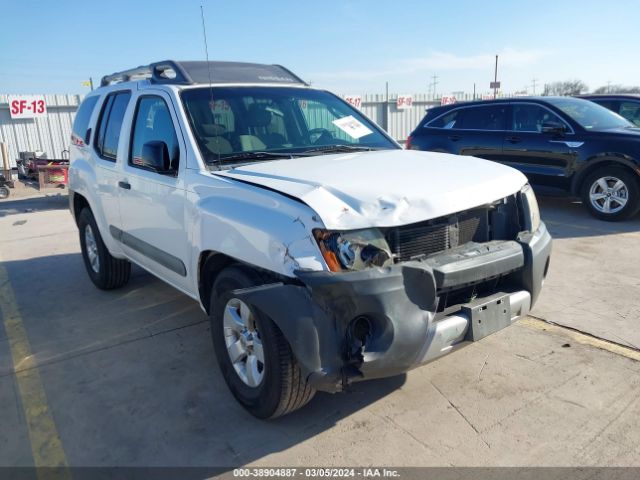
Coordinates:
<point>27,106</point>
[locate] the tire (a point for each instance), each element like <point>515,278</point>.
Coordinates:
<point>269,388</point>
<point>614,186</point>
<point>108,272</point>
<point>4,192</point>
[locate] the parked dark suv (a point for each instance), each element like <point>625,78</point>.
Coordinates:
<point>627,106</point>
<point>560,143</point>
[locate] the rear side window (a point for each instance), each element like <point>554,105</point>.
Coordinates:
<point>81,122</point>
<point>448,120</point>
<point>110,124</point>
<point>489,117</point>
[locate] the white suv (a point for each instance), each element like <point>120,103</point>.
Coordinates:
<point>322,252</point>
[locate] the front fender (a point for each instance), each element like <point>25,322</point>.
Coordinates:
<point>253,225</point>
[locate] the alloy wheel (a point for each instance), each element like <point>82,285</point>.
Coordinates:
<point>92,248</point>
<point>243,342</point>
<point>608,195</point>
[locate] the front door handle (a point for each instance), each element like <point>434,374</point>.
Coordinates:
<point>514,139</point>
<point>454,138</point>
<point>124,184</point>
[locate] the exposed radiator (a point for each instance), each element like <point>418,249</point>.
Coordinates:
<point>434,236</point>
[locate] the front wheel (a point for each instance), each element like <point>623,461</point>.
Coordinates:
<point>255,359</point>
<point>105,271</point>
<point>4,192</point>
<point>611,194</point>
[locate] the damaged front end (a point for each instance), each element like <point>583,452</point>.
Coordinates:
<point>397,298</point>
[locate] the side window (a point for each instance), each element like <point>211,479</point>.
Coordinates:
<point>81,122</point>
<point>110,124</point>
<point>448,120</point>
<point>631,111</point>
<point>153,123</point>
<point>529,118</point>
<point>490,117</point>
<point>610,104</point>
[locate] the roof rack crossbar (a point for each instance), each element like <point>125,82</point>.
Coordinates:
<point>167,71</point>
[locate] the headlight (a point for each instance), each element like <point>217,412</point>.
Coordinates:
<point>531,209</point>
<point>353,250</point>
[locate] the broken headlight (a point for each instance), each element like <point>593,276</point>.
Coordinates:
<point>530,207</point>
<point>354,250</point>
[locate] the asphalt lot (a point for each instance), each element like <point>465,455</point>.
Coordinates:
<point>128,377</point>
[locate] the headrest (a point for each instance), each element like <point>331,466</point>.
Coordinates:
<point>258,116</point>
<point>213,129</point>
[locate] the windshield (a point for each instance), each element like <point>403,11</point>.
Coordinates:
<point>589,115</point>
<point>260,123</point>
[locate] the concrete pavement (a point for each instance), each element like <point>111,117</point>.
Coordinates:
<point>130,376</point>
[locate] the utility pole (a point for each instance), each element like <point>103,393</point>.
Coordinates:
<point>608,86</point>
<point>474,91</point>
<point>495,79</point>
<point>533,84</point>
<point>433,84</point>
<point>91,83</point>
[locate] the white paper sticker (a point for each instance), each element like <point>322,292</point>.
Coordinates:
<point>352,127</point>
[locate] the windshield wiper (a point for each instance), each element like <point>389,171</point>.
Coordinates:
<point>253,156</point>
<point>340,148</point>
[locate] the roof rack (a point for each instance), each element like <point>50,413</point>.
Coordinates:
<point>166,71</point>
<point>189,73</point>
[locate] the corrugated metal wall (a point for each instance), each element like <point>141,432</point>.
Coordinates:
<point>50,134</point>
<point>398,122</point>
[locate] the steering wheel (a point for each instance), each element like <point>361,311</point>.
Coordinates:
<point>318,136</point>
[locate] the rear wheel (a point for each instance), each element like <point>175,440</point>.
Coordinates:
<point>105,271</point>
<point>4,192</point>
<point>255,359</point>
<point>611,194</point>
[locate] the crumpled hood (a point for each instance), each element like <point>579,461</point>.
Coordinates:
<point>384,188</point>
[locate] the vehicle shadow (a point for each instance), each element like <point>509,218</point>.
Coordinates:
<point>137,363</point>
<point>13,206</point>
<point>568,218</point>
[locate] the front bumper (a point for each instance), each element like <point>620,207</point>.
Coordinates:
<point>402,306</point>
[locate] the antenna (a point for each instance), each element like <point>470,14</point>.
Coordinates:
<point>206,53</point>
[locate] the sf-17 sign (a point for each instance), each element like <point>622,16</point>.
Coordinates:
<point>355,100</point>
<point>27,106</point>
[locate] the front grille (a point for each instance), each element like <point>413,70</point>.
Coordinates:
<point>434,236</point>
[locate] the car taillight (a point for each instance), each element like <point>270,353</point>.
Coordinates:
<point>407,145</point>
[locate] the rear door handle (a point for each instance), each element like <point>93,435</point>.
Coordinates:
<point>514,139</point>
<point>454,138</point>
<point>125,185</point>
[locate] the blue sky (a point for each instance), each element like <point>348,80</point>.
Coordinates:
<point>350,47</point>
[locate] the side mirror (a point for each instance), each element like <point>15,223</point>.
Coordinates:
<point>554,128</point>
<point>155,156</point>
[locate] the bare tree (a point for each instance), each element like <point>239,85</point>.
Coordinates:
<point>568,87</point>
<point>617,89</point>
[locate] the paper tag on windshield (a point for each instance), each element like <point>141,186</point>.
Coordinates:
<point>352,127</point>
